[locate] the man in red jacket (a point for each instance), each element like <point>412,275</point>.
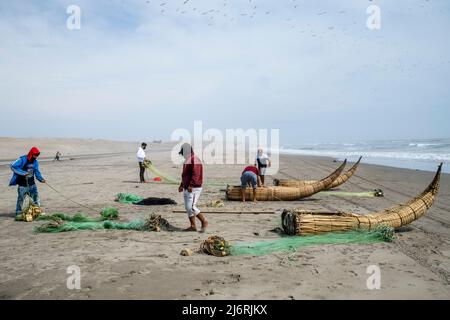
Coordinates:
<point>191,186</point>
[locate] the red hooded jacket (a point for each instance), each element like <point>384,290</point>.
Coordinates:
<point>33,152</point>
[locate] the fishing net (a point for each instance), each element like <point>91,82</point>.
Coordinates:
<point>215,246</point>
<point>128,198</point>
<point>287,244</point>
<point>369,194</point>
<point>109,213</point>
<point>135,199</point>
<point>137,225</point>
<point>64,226</point>
<point>149,165</point>
<point>153,201</point>
<point>30,211</point>
<point>63,223</point>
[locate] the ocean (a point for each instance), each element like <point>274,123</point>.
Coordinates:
<point>423,154</point>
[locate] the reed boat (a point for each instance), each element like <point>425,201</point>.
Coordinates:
<point>300,222</point>
<point>276,193</point>
<point>300,183</point>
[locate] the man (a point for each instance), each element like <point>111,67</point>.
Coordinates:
<point>263,161</point>
<point>250,175</point>
<point>141,158</point>
<point>191,186</point>
<point>25,169</point>
<point>57,156</point>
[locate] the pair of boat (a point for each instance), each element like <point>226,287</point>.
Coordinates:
<point>301,222</point>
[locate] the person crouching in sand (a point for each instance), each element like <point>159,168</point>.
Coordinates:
<point>250,176</point>
<point>191,186</point>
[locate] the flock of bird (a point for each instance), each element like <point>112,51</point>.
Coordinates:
<point>226,12</point>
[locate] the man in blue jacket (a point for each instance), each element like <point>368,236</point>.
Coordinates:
<point>25,169</point>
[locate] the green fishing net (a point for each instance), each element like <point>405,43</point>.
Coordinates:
<point>287,244</point>
<point>64,226</point>
<point>157,173</point>
<point>63,223</point>
<point>128,198</point>
<point>138,225</point>
<point>109,213</point>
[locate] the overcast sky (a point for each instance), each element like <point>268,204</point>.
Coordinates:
<point>138,70</point>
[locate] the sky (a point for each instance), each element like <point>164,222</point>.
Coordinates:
<point>139,70</point>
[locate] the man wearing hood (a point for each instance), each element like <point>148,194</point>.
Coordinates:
<point>24,170</point>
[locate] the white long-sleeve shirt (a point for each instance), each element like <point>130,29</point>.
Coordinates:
<point>140,155</point>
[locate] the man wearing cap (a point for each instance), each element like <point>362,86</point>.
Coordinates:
<point>191,186</point>
<point>24,170</point>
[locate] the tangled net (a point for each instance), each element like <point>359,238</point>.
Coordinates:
<point>60,222</point>
<point>109,213</point>
<point>215,246</point>
<point>30,213</point>
<point>219,247</point>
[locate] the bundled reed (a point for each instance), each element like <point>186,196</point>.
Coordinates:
<point>307,222</point>
<point>284,193</point>
<point>301,183</point>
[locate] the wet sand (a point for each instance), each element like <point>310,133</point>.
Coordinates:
<point>147,265</point>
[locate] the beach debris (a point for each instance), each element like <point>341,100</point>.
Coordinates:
<point>215,246</point>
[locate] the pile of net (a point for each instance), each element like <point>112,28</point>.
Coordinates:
<point>30,213</point>
<point>215,246</point>
<point>130,198</point>
<point>219,247</point>
<point>63,223</point>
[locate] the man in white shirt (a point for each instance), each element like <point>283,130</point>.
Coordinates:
<point>141,158</point>
<point>262,161</point>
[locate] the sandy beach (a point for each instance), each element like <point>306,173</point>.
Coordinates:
<point>147,265</point>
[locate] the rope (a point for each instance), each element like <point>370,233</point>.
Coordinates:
<point>69,199</point>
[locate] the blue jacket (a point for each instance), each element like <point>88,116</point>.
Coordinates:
<point>17,166</point>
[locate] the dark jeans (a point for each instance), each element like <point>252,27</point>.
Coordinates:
<point>141,171</point>
<point>22,191</point>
